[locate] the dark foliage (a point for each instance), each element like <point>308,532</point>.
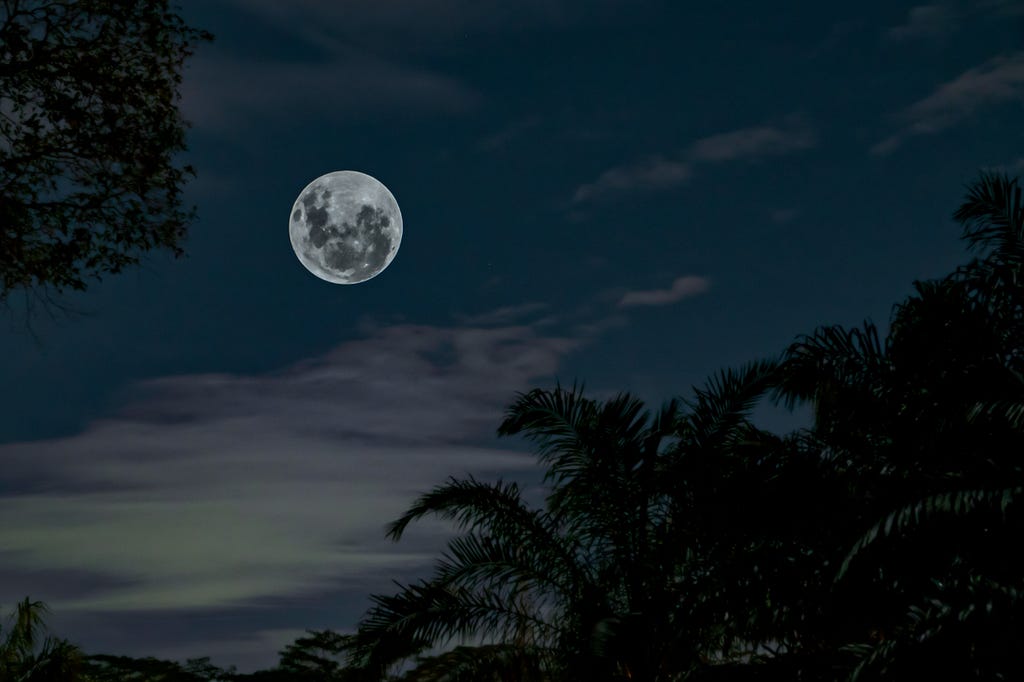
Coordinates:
<point>29,653</point>
<point>926,428</point>
<point>107,668</point>
<point>90,133</point>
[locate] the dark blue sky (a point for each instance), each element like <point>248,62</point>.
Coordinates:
<point>634,194</point>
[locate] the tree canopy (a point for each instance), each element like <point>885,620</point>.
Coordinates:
<point>90,138</point>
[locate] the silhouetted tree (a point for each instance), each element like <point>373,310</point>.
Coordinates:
<point>315,657</point>
<point>926,427</point>
<point>598,585</point>
<point>28,654</point>
<point>112,668</point>
<point>90,133</point>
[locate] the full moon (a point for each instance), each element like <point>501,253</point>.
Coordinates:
<point>345,227</point>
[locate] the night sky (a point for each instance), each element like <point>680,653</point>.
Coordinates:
<point>201,457</point>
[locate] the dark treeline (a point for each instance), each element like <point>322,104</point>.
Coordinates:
<point>685,543</point>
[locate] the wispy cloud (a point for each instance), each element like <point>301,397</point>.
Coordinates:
<point>683,287</point>
<point>213,490</point>
<point>925,21</point>
<point>941,19</point>
<point>1010,167</point>
<point>660,173</point>
<point>503,137</point>
<point>649,174</point>
<point>432,21</point>
<point>221,91</point>
<point>754,142</point>
<point>997,81</point>
<point>504,315</point>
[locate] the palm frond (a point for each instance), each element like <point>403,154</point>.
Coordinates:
<point>1010,411</point>
<point>664,425</point>
<point>572,432</point>
<point>472,561</point>
<point>600,462</point>
<point>471,504</point>
<point>57,659</point>
<point>945,322</point>
<point>726,401</point>
<point>992,215</point>
<point>948,627</point>
<point>557,421</point>
<point>429,613</point>
<point>907,517</point>
<point>872,657</point>
<point>27,626</point>
<point>830,359</point>
<point>933,300</point>
<point>499,510</point>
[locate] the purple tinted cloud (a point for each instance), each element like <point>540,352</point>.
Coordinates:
<point>651,174</point>
<point>925,21</point>
<point>754,142</point>
<point>212,491</point>
<point>661,173</point>
<point>683,287</point>
<point>997,81</point>
<point>220,91</point>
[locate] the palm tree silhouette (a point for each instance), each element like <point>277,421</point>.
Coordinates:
<point>689,544</point>
<point>927,425</point>
<point>595,586</point>
<point>28,654</point>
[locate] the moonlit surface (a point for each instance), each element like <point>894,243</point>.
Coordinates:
<point>345,227</point>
